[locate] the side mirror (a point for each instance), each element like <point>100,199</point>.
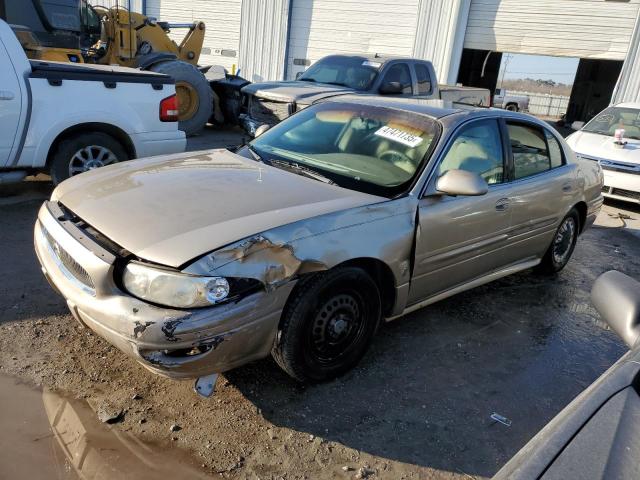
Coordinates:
<point>261,129</point>
<point>462,182</point>
<point>299,74</point>
<point>616,296</point>
<point>390,88</point>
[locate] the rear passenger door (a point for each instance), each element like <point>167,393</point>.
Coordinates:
<point>544,186</point>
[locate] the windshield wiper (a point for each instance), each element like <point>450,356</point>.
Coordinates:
<point>256,156</point>
<point>302,170</point>
<point>307,79</point>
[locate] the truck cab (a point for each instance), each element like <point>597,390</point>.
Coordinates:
<point>334,75</point>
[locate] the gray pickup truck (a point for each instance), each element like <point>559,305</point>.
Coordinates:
<point>270,102</point>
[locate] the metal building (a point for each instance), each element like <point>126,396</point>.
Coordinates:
<point>465,39</point>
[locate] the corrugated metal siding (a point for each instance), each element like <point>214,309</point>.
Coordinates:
<point>322,27</point>
<point>440,35</point>
<point>571,28</point>
<point>263,39</point>
<point>222,18</point>
<point>628,87</point>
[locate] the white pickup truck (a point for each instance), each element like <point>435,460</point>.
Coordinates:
<point>65,118</point>
<point>509,101</point>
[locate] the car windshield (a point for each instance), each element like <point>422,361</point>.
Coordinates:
<point>613,118</point>
<point>365,148</point>
<point>352,72</point>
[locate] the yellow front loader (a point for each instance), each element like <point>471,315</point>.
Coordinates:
<point>116,36</point>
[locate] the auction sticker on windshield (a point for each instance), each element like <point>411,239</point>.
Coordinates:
<point>399,136</point>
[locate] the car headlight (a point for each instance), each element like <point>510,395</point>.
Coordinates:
<point>174,289</point>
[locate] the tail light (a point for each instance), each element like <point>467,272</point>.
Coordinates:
<point>169,109</point>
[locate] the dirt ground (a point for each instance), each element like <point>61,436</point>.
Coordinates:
<point>418,405</point>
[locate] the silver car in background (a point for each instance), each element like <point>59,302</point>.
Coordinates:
<point>349,213</point>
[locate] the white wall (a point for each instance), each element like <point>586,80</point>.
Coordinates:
<point>322,27</point>
<point>222,19</point>
<point>263,39</point>
<point>571,28</point>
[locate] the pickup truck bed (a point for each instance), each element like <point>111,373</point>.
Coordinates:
<point>66,118</point>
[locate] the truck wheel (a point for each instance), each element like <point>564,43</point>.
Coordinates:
<point>195,97</point>
<point>562,245</point>
<point>83,152</point>
<point>512,107</point>
<point>328,324</point>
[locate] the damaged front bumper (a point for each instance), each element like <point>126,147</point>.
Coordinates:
<point>171,342</point>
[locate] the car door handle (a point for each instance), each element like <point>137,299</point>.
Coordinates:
<point>6,95</point>
<point>502,204</point>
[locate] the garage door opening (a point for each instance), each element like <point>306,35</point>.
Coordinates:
<point>539,83</point>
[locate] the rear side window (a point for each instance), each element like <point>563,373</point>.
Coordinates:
<point>400,73</point>
<point>530,152</point>
<point>555,150</point>
<point>424,79</point>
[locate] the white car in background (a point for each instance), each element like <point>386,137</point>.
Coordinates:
<point>620,160</point>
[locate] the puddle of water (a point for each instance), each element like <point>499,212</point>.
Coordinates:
<point>47,436</point>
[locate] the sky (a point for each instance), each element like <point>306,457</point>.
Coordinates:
<point>558,69</point>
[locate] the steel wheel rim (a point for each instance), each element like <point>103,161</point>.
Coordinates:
<point>90,158</point>
<point>337,327</point>
<point>563,241</point>
<point>188,101</point>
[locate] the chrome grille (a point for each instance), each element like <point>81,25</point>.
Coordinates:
<point>65,260</point>
<point>267,111</point>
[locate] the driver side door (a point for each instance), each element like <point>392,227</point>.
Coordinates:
<point>461,238</point>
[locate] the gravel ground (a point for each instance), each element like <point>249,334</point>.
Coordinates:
<point>418,406</point>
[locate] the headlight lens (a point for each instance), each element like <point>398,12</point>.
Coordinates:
<point>174,289</point>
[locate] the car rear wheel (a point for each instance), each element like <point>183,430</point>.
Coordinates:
<point>562,245</point>
<point>512,107</point>
<point>328,324</point>
<point>84,152</point>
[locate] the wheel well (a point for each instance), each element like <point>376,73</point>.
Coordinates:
<point>513,103</point>
<point>382,275</point>
<point>115,132</point>
<point>581,207</point>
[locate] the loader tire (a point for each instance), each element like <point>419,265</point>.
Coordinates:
<point>195,97</point>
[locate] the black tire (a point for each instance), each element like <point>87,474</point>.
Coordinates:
<point>183,72</point>
<point>561,249</point>
<point>512,107</point>
<point>69,153</point>
<point>328,324</point>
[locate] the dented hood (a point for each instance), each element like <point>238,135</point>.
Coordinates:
<point>295,91</point>
<point>174,208</point>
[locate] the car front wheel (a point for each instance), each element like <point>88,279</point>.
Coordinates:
<point>562,245</point>
<point>328,324</point>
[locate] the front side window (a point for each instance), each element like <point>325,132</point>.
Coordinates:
<point>424,79</point>
<point>370,149</point>
<point>399,73</point>
<point>613,118</point>
<point>529,148</point>
<point>477,149</point>
<point>352,72</point>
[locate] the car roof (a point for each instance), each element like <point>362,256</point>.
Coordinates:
<point>433,108</point>
<point>375,57</point>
